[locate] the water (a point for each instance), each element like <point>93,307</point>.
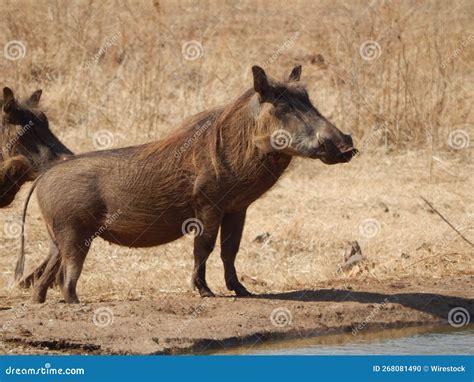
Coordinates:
<point>419,340</point>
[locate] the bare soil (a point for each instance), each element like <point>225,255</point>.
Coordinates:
<point>177,323</point>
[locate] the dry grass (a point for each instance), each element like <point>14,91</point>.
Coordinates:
<point>114,73</point>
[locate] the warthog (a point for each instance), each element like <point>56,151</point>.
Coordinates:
<point>27,144</point>
<point>143,196</point>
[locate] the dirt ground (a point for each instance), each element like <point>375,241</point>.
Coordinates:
<point>172,323</point>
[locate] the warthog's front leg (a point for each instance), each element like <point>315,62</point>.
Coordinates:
<point>73,250</point>
<point>203,245</point>
<point>231,233</point>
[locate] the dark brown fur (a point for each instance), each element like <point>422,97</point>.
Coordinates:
<point>27,146</point>
<point>153,188</point>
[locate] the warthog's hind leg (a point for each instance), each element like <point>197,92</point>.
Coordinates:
<point>32,279</point>
<point>231,233</point>
<point>45,274</point>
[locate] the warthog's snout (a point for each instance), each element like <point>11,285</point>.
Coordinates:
<point>347,149</point>
<point>347,138</point>
<point>347,155</point>
<point>338,153</point>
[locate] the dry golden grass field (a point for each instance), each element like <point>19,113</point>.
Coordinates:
<point>397,75</point>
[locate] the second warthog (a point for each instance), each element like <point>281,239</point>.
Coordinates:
<point>207,173</point>
<point>27,145</point>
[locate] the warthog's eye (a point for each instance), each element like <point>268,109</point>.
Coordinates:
<point>281,108</point>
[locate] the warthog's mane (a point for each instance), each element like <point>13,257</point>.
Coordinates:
<point>226,135</point>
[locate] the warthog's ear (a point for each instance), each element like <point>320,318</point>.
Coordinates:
<point>34,99</point>
<point>260,83</point>
<point>295,74</point>
<point>8,99</point>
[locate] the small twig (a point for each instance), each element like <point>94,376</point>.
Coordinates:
<point>425,258</point>
<point>447,221</point>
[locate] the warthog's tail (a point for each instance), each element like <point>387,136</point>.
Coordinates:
<point>20,264</point>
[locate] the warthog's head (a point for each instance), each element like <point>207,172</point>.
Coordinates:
<point>26,143</point>
<point>292,125</point>
<point>25,130</point>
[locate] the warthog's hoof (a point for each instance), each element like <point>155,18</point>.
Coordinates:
<point>242,292</point>
<point>38,297</point>
<point>206,292</point>
<point>71,300</point>
<point>25,283</point>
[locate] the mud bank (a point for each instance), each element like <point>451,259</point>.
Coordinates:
<point>184,323</point>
